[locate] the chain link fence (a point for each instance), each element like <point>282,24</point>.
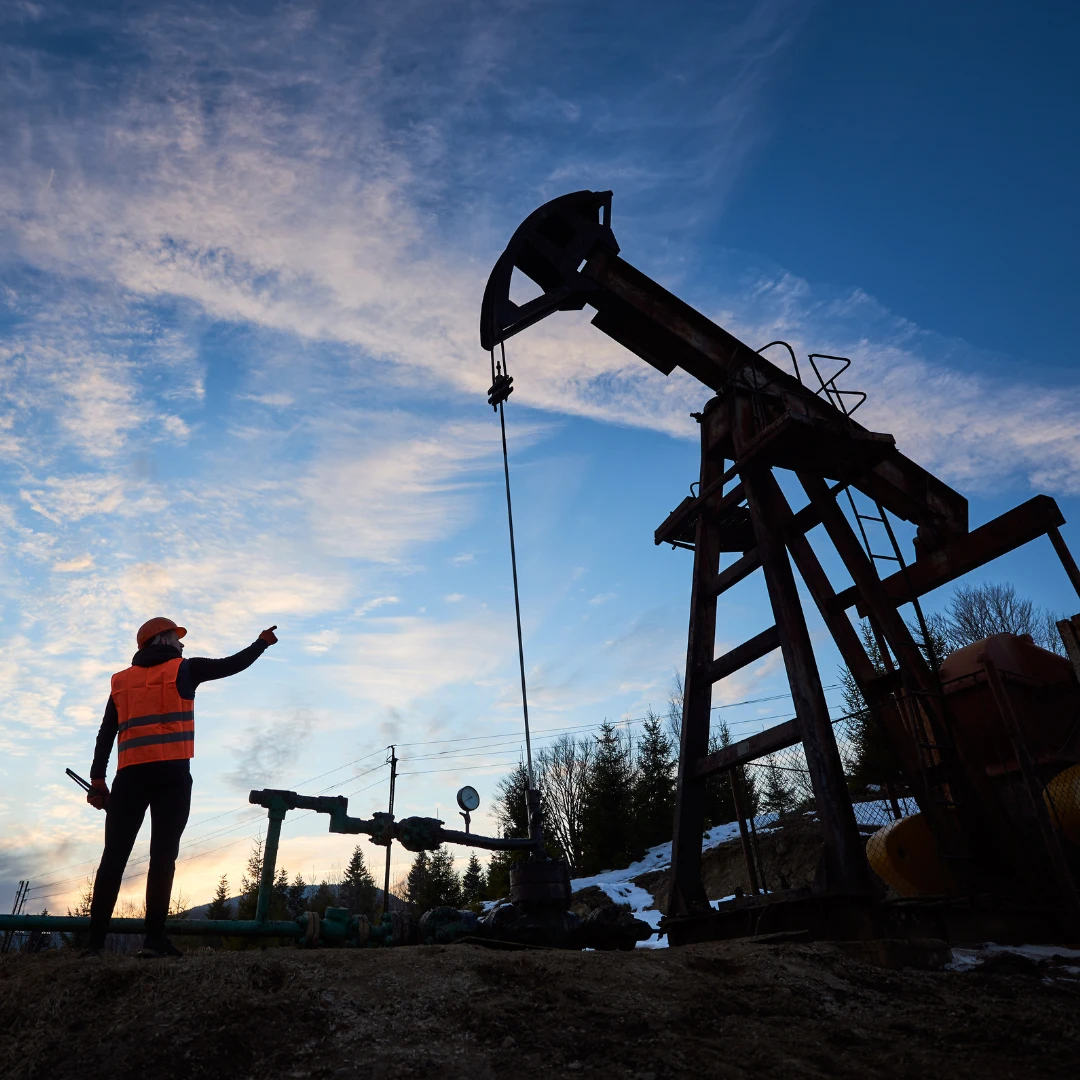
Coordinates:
<point>780,782</point>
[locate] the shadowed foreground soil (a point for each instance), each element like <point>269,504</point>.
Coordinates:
<point>723,1009</point>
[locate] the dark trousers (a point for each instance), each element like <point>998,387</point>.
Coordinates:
<point>164,787</point>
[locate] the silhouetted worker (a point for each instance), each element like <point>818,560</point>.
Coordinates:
<point>151,713</point>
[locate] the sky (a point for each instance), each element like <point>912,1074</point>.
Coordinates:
<point>242,251</point>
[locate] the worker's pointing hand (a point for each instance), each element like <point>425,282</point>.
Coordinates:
<point>269,636</point>
<point>98,795</point>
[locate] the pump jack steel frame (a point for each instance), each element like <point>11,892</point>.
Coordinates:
<point>762,419</point>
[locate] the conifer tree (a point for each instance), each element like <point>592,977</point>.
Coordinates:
<point>297,896</point>
<point>511,806</point>
<point>249,882</point>
<point>870,760</point>
<point>219,907</point>
<point>512,816</point>
<point>357,890</point>
<point>654,786</point>
<point>444,885</point>
<point>247,902</point>
<point>416,885</point>
<point>279,898</point>
<point>719,804</point>
<point>777,796</point>
<point>472,882</point>
<point>607,833</point>
<point>326,895</point>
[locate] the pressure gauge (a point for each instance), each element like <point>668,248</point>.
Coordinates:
<point>468,799</point>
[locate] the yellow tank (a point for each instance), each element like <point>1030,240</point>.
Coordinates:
<point>904,855</point>
<point>1062,798</point>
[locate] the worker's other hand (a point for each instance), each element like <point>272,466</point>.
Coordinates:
<point>269,636</point>
<point>98,795</point>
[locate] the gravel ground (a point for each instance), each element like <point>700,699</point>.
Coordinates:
<point>738,1009</point>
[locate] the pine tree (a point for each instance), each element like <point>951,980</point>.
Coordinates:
<point>777,797</point>
<point>472,882</point>
<point>654,786</point>
<point>219,907</point>
<point>719,804</point>
<point>512,816</point>
<point>326,895</point>
<point>444,885</point>
<point>80,940</point>
<point>297,896</point>
<point>416,885</point>
<point>511,806</point>
<point>606,836</point>
<point>357,891</point>
<point>870,761</point>
<point>249,882</point>
<point>279,898</point>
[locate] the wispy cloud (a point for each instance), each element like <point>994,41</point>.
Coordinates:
<point>958,411</point>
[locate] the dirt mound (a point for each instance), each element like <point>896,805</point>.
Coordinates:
<point>725,1009</point>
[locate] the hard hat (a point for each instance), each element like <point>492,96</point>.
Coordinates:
<point>157,626</point>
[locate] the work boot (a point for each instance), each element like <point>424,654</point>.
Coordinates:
<point>95,946</point>
<point>158,950</point>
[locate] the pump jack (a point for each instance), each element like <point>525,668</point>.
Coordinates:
<point>762,419</point>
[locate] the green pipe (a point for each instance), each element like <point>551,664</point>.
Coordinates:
<point>225,927</point>
<point>276,815</point>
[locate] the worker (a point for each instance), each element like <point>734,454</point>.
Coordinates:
<point>151,713</point>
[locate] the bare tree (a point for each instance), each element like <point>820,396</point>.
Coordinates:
<point>674,713</point>
<point>564,767</point>
<point>975,612</point>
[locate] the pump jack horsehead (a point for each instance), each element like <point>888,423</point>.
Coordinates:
<point>762,419</point>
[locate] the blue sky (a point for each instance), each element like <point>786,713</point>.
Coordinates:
<point>241,258</point>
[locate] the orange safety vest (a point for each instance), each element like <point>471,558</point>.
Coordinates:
<point>156,723</point>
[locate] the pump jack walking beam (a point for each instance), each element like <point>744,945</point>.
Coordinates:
<point>762,419</point>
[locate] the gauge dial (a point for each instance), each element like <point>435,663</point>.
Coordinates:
<point>468,799</point>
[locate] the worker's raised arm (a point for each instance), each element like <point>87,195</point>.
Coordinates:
<point>201,669</point>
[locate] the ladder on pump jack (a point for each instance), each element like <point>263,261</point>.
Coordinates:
<point>930,733</point>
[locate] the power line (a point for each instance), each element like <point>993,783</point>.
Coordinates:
<point>509,739</point>
<point>583,727</point>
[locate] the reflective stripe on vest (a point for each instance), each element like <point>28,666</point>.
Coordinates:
<point>155,722</point>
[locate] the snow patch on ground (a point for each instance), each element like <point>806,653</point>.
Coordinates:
<point>968,959</point>
<point>619,884</point>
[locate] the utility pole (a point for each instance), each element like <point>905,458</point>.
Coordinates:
<point>16,909</point>
<point>389,842</point>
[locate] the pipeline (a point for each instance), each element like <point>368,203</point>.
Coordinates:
<point>336,927</point>
<point>537,914</point>
<point>75,924</point>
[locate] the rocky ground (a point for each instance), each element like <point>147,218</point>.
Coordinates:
<point>738,1009</point>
